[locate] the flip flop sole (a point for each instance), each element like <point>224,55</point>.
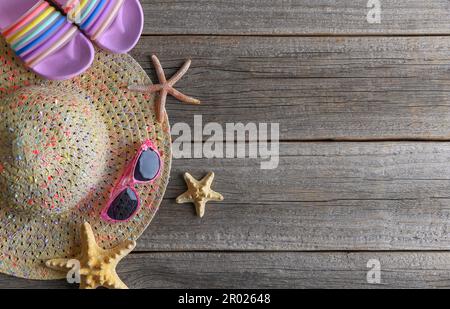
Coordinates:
<point>47,43</point>
<point>124,33</point>
<point>114,25</point>
<point>70,61</point>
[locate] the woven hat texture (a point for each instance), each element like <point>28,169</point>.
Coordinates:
<point>63,145</point>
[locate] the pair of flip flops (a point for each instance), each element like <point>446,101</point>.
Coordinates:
<point>56,43</point>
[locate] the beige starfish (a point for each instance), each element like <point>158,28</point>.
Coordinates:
<point>199,193</point>
<point>97,265</point>
<point>165,87</point>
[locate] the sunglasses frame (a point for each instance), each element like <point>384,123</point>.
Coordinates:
<point>128,181</point>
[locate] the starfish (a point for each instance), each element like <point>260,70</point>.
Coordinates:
<point>199,192</point>
<point>97,265</point>
<point>165,87</point>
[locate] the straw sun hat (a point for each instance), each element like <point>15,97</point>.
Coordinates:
<point>63,145</point>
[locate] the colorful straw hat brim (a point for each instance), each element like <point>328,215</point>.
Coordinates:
<point>63,145</point>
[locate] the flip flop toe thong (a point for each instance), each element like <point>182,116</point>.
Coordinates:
<point>44,39</point>
<point>114,25</point>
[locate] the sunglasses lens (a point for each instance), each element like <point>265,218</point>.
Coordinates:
<point>148,166</point>
<point>124,206</point>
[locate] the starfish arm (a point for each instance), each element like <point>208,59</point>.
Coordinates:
<point>85,286</point>
<point>145,88</point>
<point>180,73</point>
<point>184,198</point>
<point>161,106</point>
<point>208,179</point>
<point>184,98</point>
<point>122,250</point>
<point>88,283</point>
<point>159,70</point>
<point>200,207</point>
<point>189,178</point>
<point>191,182</point>
<point>114,282</point>
<point>215,196</point>
<point>62,265</point>
<point>88,243</point>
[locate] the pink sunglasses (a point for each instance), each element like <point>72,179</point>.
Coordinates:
<point>124,201</point>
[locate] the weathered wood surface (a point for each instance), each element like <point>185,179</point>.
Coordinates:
<point>331,196</point>
<point>320,70</point>
<point>316,88</point>
<point>323,196</point>
<point>273,270</point>
<point>294,17</point>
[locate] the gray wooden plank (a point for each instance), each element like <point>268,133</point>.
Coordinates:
<point>323,196</point>
<point>306,17</point>
<point>272,270</point>
<point>363,88</point>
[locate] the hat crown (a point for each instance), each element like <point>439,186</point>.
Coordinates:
<point>53,149</point>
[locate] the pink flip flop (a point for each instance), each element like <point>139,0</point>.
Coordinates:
<point>44,39</point>
<point>114,25</point>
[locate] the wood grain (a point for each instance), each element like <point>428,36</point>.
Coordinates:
<point>355,88</point>
<point>272,270</point>
<point>323,196</point>
<point>324,73</point>
<point>295,17</point>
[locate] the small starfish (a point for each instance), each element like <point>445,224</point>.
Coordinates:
<point>199,193</point>
<point>97,265</point>
<point>165,87</point>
